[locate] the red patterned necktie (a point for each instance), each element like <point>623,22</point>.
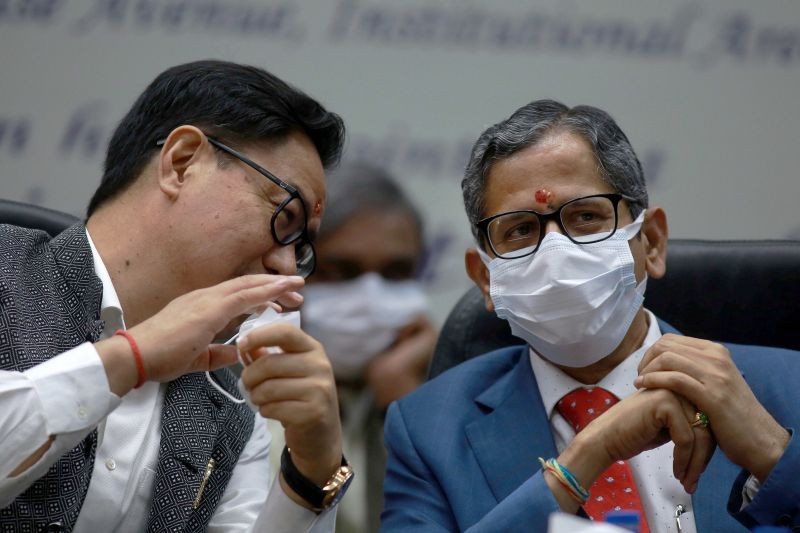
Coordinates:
<point>615,489</point>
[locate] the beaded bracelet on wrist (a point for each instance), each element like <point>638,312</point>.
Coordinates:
<point>566,478</point>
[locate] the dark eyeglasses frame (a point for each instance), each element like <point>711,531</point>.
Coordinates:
<point>483,225</point>
<point>302,235</point>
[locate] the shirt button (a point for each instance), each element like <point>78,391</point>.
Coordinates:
<point>111,464</point>
<point>81,412</point>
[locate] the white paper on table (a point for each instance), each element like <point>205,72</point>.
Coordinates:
<point>569,523</point>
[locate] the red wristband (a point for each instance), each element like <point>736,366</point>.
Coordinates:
<point>137,356</point>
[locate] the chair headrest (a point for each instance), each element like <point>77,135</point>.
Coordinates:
<point>733,291</point>
<point>35,217</point>
<point>744,292</point>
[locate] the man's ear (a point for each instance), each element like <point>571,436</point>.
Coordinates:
<point>182,148</point>
<point>654,240</point>
<point>479,274</point>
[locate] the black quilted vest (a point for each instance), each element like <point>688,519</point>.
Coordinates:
<point>49,303</point>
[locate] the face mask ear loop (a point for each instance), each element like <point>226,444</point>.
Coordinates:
<point>216,385</point>
<point>638,221</point>
<point>483,255</point>
<point>223,391</point>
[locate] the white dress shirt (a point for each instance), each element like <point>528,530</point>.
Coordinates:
<point>660,492</point>
<point>69,395</point>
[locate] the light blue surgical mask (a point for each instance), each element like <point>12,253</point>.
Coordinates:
<point>356,320</point>
<point>572,303</point>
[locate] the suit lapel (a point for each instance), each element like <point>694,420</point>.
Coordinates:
<point>703,503</point>
<point>189,427</point>
<point>710,500</point>
<point>75,264</point>
<point>515,431</point>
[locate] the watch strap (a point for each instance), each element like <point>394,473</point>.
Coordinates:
<point>304,487</point>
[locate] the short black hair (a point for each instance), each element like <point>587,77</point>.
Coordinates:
<point>231,102</point>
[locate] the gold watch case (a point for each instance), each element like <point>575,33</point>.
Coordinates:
<point>336,486</point>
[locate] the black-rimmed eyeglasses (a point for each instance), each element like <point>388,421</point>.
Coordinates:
<point>289,222</point>
<point>583,220</point>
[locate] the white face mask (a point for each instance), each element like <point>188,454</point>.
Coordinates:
<point>572,303</point>
<point>268,316</point>
<point>356,320</point>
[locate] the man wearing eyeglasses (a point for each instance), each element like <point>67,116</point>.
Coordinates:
<point>606,408</point>
<point>212,192</point>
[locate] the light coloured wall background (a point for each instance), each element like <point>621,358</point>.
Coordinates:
<point>706,90</point>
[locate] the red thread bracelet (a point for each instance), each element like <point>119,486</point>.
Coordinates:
<point>137,356</point>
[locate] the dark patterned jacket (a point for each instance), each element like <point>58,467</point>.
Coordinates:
<point>49,303</point>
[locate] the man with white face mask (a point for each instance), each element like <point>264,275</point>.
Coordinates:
<point>606,408</point>
<point>366,307</point>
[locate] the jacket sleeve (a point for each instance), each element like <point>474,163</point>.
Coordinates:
<point>772,374</point>
<point>416,501</point>
<point>778,499</point>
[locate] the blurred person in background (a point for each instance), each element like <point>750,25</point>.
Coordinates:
<point>366,306</point>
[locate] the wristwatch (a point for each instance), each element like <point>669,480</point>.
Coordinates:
<point>319,498</point>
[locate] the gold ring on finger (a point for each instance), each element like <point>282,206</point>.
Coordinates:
<point>700,420</point>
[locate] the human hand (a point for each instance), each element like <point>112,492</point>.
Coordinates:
<point>641,422</point>
<point>402,367</point>
<point>296,388</point>
<point>704,373</point>
<point>176,340</point>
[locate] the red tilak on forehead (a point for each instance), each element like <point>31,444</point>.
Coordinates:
<point>543,196</point>
<point>317,207</point>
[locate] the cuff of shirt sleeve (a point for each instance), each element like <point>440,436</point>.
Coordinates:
<point>749,490</point>
<point>777,497</point>
<point>281,514</point>
<point>73,390</point>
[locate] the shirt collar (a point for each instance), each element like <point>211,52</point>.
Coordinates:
<point>110,308</point>
<point>554,383</point>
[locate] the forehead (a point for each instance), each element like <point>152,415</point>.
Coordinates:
<point>562,163</point>
<point>372,237</point>
<point>296,161</point>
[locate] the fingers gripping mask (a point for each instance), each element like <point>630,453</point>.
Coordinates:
<point>572,303</point>
<point>268,316</point>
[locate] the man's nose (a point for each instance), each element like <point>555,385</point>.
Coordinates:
<point>552,225</point>
<point>281,259</point>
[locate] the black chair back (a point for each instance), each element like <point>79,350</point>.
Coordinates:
<point>734,291</point>
<point>35,217</point>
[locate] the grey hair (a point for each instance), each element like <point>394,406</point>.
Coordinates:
<point>358,186</point>
<point>618,164</point>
